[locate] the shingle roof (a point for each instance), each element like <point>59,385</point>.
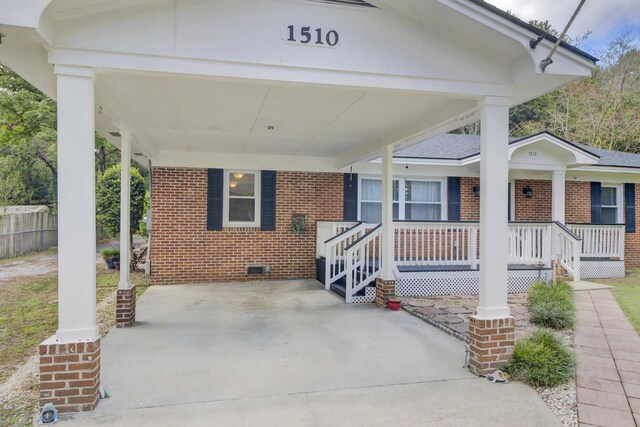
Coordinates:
<point>456,147</point>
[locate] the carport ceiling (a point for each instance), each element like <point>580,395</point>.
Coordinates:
<point>177,113</point>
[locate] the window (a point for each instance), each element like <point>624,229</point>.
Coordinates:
<point>242,199</point>
<point>420,200</point>
<point>611,212</point>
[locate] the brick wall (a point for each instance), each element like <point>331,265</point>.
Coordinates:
<point>537,207</point>
<point>469,204</point>
<point>578,202</point>
<point>184,251</point>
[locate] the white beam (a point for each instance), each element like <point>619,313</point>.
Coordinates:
<point>494,234</point>
<point>558,196</point>
<point>125,208</point>
<point>76,206</point>
<point>388,234</point>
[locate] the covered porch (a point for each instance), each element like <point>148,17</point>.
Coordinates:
<point>208,91</point>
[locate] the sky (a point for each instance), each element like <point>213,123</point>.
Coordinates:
<point>606,19</point>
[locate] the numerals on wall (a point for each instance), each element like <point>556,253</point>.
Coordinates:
<point>312,36</point>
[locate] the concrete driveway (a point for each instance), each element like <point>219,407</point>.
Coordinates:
<point>289,353</point>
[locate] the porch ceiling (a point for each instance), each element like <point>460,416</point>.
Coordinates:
<point>187,113</point>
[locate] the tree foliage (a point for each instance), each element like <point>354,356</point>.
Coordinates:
<point>108,200</point>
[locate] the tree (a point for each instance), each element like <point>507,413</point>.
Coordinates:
<point>108,201</point>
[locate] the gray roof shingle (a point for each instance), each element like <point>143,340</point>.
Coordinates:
<point>456,147</point>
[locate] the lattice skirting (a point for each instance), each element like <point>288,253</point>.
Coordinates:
<point>437,283</point>
<point>601,269</point>
<point>368,297</point>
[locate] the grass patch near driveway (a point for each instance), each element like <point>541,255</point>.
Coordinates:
<point>627,293</point>
<point>29,314</point>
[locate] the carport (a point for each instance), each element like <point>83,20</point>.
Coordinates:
<point>238,85</point>
<point>289,353</point>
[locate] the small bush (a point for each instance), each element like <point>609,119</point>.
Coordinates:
<point>541,360</point>
<point>110,253</point>
<point>551,305</point>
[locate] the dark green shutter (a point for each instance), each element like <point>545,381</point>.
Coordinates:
<point>215,195</point>
<point>350,197</point>
<point>268,201</point>
<point>453,198</point>
<point>596,203</point>
<point>630,207</point>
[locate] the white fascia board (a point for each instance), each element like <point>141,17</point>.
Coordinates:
<point>608,169</point>
<point>420,161</point>
<point>206,159</point>
<point>271,72</point>
<point>22,13</point>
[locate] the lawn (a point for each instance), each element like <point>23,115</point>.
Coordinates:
<point>28,315</point>
<point>627,293</point>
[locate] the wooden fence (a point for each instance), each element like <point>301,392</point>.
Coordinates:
<point>27,231</point>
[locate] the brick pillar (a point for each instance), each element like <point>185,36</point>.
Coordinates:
<point>126,307</point>
<point>385,289</point>
<point>491,343</point>
<point>70,375</point>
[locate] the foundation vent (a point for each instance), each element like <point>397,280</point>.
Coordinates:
<point>253,270</point>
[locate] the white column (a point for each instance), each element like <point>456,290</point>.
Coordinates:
<point>494,233</point>
<point>125,208</point>
<point>388,232</point>
<point>76,205</point>
<point>558,194</point>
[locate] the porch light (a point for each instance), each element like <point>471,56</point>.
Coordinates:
<point>233,184</point>
<point>476,190</point>
<point>528,192</point>
<point>238,175</point>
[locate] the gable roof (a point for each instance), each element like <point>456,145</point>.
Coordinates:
<point>459,147</point>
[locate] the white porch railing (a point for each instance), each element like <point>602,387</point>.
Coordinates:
<point>335,249</point>
<point>363,262</point>
<point>601,240</point>
<point>567,249</point>
<point>327,230</point>
<point>530,243</point>
<point>436,243</point>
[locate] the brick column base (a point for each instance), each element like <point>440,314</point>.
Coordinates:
<point>70,375</point>
<point>126,307</point>
<point>491,344</point>
<point>385,289</point>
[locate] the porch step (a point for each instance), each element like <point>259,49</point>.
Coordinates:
<point>340,289</point>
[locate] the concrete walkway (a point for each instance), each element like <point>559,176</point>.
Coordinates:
<point>290,353</point>
<point>608,354</point>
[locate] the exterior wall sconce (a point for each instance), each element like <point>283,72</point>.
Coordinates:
<point>528,192</point>
<point>476,190</point>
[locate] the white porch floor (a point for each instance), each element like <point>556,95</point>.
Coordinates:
<point>290,353</point>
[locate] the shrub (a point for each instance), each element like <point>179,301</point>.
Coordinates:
<point>541,360</point>
<point>108,200</point>
<point>106,253</point>
<point>551,305</point>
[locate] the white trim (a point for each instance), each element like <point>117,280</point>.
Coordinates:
<point>619,201</point>
<point>401,194</point>
<point>512,200</point>
<point>257,196</point>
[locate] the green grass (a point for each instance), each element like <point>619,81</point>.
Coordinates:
<point>551,305</point>
<point>542,360</point>
<point>627,293</point>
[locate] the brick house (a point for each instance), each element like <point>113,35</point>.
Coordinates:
<point>248,112</point>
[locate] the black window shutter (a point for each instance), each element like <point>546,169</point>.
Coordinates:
<point>350,197</point>
<point>596,202</point>
<point>453,198</point>
<point>215,191</point>
<point>268,201</point>
<point>630,207</point>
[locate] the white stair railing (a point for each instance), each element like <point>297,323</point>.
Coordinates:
<point>567,248</point>
<point>601,240</point>
<point>335,250</point>
<point>530,243</point>
<point>363,262</point>
<point>436,243</point>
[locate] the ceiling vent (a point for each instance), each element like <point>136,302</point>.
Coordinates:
<point>360,3</point>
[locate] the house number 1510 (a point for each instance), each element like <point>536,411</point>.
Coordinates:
<point>315,36</point>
